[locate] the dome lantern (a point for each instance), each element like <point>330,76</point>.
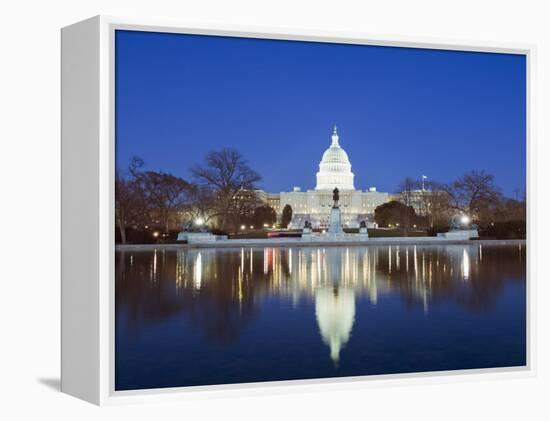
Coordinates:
<point>335,137</point>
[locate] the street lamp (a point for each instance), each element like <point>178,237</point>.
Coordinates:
<point>465,219</point>
<point>199,221</point>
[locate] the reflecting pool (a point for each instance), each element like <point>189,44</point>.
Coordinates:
<point>213,316</point>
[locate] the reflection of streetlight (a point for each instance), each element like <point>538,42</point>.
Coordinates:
<point>465,219</point>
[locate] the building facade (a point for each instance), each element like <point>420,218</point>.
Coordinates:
<point>314,205</point>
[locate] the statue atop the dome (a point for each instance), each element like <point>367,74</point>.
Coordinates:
<point>335,137</point>
<point>335,196</point>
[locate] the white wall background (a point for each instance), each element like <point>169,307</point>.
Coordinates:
<point>29,209</point>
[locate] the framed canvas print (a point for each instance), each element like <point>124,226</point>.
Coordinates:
<point>245,208</point>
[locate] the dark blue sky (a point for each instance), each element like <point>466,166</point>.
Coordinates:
<point>399,111</point>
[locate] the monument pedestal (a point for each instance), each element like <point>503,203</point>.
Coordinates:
<point>307,234</point>
<point>335,222</point>
<point>459,234</point>
<point>198,237</point>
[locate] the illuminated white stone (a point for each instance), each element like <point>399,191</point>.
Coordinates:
<point>335,168</point>
<point>335,312</point>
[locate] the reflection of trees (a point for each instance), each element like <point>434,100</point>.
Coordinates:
<point>221,289</point>
<point>500,265</point>
<point>142,287</point>
<point>471,275</point>
<point>151,287</point>
<point>220,308</point>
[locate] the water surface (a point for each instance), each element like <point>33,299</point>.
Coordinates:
<point>207,316</point>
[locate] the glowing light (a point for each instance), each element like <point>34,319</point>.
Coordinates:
<point>199,221</point>
<point>197,281</point>
<point>465,219</point>
<point>290,261</point>
<point>155,266</point>
<point>155,234</point>
<point>243,227</point>
<point>465,265</point>
<point>242,260</point>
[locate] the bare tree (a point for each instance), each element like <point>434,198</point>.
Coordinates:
<point>130,204</point>
<point>472,193</point>
<point>201,204</point>
<point>165,193</point>
<point>228,174</point>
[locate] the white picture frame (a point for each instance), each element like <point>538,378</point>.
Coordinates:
<point>88,211</point>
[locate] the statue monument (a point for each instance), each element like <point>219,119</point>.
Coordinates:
<point>335,220</point>
<point>307,228</point>
<point>196,231</point>
<point>363,232</point>
<point>460,228</point>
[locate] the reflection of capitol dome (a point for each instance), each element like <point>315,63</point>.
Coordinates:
<point>335,312</point>
<point>335,168</point>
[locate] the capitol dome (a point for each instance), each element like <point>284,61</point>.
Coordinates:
<point>335,168</point>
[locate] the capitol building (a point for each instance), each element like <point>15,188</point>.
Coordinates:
<point>314,205</point>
